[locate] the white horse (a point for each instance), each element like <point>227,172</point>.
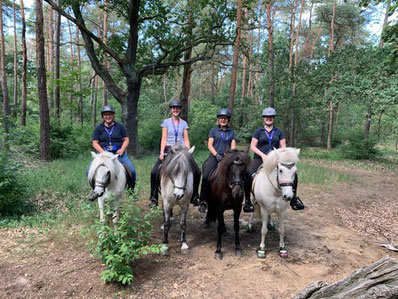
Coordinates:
<point>272,190</point>
<point>176,182</point>
<point>108,176</point>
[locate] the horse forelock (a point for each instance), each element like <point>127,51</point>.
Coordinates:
<point>179,161</point>
<point>228,160</point>
<point>286,155</point>
<point>103,159</point>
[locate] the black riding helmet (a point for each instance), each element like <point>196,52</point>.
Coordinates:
<point>224,112</point>
<point>107,108</point>
<point>175,103</point>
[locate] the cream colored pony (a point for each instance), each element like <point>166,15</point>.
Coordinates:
<point>273,191</point>
<point>108,177</point>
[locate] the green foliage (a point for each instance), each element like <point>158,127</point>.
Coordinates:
<point>119,245</point>
<point>202,118</point>
<point>13,191</point>
<point>359,147</point>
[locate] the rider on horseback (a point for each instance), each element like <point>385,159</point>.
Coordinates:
<point>221,139</point>
<point>264,140</point>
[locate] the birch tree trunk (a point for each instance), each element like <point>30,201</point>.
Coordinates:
<point>42,84</point>
<point>4,87</point>
<point>235,59</point>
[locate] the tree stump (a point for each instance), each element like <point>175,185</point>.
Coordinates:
<point>379,280</point>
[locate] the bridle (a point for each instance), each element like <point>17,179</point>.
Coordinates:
<point>183,188</point>
<point>101,184</point>
<point>238,182</point>
<point>284,183</point>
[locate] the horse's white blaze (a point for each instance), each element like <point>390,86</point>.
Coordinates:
<point>106,169</point>
<point>268,197</point>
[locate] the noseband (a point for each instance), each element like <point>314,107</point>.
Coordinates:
<point>101,183</point>
<point>239,182</point>
<point>183,188</point>
<point>284,183</point>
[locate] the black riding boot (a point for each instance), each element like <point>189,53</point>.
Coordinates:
<point>296,203</point>
<point>195,196</point>
<point>248,207</point>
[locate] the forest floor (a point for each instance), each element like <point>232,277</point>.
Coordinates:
<point>340,230</point>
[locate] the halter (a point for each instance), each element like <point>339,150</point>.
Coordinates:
<point>284,183</point>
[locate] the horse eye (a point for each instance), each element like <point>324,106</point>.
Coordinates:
<point>280,170</point>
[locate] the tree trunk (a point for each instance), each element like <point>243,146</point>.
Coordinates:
<point>4,87</point>
<point>385,22</point>
<point>24,68</point>
<point>80,115</point>
<point>186,74</point>
<point>42,84</point>
<point>212,84</point>
<point>105,93</point>
<point>250,80</point>
<point>95,99</point>
<point>50,56</point>
<point>270,29</point>
<point>235,58</point>
<point>368,119</point>
<point>331,42</point>
<point>379,280</point>
<point>307,40</point>
<point>257,62</point>
<point>292,31</point>
<point>57,95</point>
<point>71,66</point>
<point>244,71</point>
<point>15,61</point>
<point>329,142</point>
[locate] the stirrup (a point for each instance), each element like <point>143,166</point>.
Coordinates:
<point>153,203</point>
<point>248,208</point>
<point>203,207</point>
<point>297,204</point>
<point>195,201</point>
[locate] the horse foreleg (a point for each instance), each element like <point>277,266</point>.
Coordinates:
<point>264,230</point>
<point>116,205</point>
<point>238,249</point>
<point>101,203</point>
<point>166,224</point>
<point>220,229</point>
<point>282,250</point>
<point>184,245</point>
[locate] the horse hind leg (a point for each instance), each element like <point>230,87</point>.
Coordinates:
<point>183,225</point>
<point>238,249</point>
<point>221,227</point>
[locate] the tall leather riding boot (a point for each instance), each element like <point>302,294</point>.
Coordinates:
<point>296,203</point>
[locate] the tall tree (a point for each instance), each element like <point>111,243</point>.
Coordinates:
<point>385,21</point>
<point>330,51</point>
<point>235,58</point>
<point>57,48</point>
<point>42,84</point>
<point>162,44</point>
<point>24,67</point>
<point>79,83</point>
<point>15,77</point>
<point>50,56</point>
<point>270,29</point>
<point>4,87</point>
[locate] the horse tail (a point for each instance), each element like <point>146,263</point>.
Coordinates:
<point>211,211</point>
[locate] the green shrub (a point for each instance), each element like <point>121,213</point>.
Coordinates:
<point>202,118</point>
<point>359,147</point>
<point>13,192</point>
<point>149,134</point>
<point>118,246</point>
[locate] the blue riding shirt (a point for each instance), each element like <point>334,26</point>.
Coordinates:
<point>267,141</point>
<point>222,139</point>
<point>110,136</point>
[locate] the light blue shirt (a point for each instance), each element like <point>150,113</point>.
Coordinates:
<point>174,131</point>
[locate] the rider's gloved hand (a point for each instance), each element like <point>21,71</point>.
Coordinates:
<point>219,157</point>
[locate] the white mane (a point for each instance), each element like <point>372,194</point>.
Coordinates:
<point>108,160</point>
<point>281,155</point>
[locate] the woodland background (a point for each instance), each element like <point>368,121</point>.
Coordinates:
<point>331,78</point>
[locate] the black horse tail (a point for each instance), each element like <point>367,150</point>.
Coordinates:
<point>211,212</point>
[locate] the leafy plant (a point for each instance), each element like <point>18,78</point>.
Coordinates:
<point>119,245</point>
<point>359,147</point>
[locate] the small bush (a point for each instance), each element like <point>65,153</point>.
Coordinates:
<point>202,117</point>
<point>359,147</point>
<point>118,246</point>
<point>13,192</point>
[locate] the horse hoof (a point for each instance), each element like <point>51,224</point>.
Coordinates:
<point>218,256</point>
<point>238,252</point>
<point>185,251</point>
<point>271,227</point>
<point>225,233</point>
<point>164,250</point>
<point>283,253</point>
<point>249,228</point>
<point>261,253</point>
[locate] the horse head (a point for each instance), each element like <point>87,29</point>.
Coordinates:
<point>101,171</point>
<point>286,171</point>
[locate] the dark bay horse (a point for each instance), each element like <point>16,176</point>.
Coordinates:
<point>226,193</point>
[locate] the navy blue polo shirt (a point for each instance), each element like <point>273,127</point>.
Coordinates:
<point>222,139</point>
<point>119,132</point>
<point>263,142</point>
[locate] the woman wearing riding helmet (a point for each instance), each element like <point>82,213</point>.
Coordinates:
<point>264,140</point>
<point>221,139</point>
<point>112,136</point>
<point>174,130</point>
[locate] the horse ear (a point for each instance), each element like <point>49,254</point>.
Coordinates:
<point>297,151</point>
<point>191,150</point>
<point>114,157</point>
<point>94,155</point>
<point>276,152</point>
